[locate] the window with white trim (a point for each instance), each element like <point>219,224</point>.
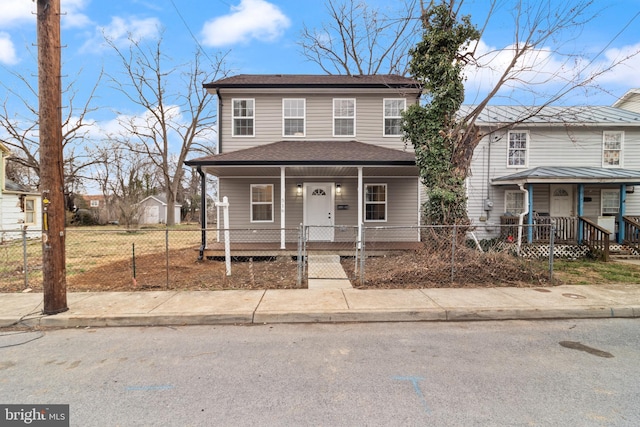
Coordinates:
<point>344,117</point>
<point>610,201</point>
<point>513,202</point>
<point>293,114</point>
<point>261,202</point>
<point>94,203</point>
<point>375,202</point>
<point>30,211</point>
<point>518,142</point>
<point>612,144</point>
<point>243,115</point>
<point>393,109</point>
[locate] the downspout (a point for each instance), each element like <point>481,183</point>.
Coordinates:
<point>524,212</point>
<point>203,213</point>
<point>219,122</point>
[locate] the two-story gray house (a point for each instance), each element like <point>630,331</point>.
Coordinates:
<point>325,151</point>
<point>572,166</point>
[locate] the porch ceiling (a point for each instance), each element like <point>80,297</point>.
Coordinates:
<point>574,175</point>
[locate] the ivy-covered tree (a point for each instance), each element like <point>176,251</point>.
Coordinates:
<point>443,145</point>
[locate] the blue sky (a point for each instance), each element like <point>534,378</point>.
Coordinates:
<point>260,37</point>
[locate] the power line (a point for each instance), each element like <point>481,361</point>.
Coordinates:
<point>195,39</point>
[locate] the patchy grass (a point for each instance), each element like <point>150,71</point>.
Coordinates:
<point>589,272</point>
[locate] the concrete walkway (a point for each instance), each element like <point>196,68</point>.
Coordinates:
<point>326,272</point>
<point>96,309</point>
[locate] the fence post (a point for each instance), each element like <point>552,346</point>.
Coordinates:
<point>300,231</point>
<point>552,236</point>
<point>24,257</point>
<point>363,255</point>
<point>166,250</point>
<point>453,253</point>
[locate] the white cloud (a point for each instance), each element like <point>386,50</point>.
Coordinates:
<point>7,50</point>
<point>72,16</point>
<point>121,30</point>
<point>16,12</point>
<point>626,73</point>
<point>251,19</point>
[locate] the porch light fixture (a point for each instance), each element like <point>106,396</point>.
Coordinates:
<point>630,189</point>
<point>338,188</point>
<point>299,189</point>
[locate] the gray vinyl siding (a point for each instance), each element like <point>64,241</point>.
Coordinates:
<point>268,126</point>
<point>633,104</point>
<point>402,206</point>
<point>548,146</point>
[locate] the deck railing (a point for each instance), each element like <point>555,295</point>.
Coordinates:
<point>631,231</point>
<point>596,238</point>
<point>565,228</point>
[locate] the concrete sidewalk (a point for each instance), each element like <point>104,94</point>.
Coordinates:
<point>96,309</point>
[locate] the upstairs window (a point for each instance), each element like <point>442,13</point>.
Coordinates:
<point>612,143</point>
<point>94,203</point>
<point>293,113</point>
<point>243,116</point>
<point>262,203</point>
<point>344,117</point>
<point>393,109</point>
<point>375,202</point>
<point>518,142</point>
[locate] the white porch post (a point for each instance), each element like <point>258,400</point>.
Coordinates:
<point>283,194</point>
<point>360,206</point>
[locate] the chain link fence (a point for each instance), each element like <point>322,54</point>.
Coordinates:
<point>115,259</point>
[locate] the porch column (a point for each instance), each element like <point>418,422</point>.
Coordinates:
<point>283,194</point>
<point>621,212</point>
<point>530,220</point>
<point>360,206</point>
<point>580,212</point>
<point>203,212</point>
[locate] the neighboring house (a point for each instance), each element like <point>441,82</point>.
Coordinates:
<point>320,150</point>
<point>567,164</point>
<point>19,205</point>
<point>153,210</point>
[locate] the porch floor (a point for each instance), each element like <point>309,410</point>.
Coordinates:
<point>321,248</point>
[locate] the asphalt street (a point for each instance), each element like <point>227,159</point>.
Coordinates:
<point>564,372</point>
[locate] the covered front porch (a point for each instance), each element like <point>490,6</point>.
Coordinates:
<point>581,206</point>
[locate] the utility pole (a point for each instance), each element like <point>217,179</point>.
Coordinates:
<point>51,168</point>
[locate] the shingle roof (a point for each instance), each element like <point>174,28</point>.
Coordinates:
<point>14,186</point>
<point>314,81</point>
<point>571,174</point>
<point>310,152</point>
<point>554,115</point>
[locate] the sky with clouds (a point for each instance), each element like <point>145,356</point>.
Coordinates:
<point>259,36</point>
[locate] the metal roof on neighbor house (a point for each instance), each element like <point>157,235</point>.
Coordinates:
<point>315,81</point>
<point>551,174</point>
<point>554,115</point>
<point>324,153</point>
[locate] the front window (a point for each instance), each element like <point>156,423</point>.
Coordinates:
<point>293,116</point>
<point>612,143</point>
<point>517,149</point>
<point>344,117</point>
<point>375,203</point>
<point>30,211</point>
<point>94,203</point>
<point>393,109</point>
<point>243,117</point>
<point>261,203</point>
<point>610,202</point>
<point>513,202</point>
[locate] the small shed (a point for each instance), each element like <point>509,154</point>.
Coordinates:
<point>153,210</point>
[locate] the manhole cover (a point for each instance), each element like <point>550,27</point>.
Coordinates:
<point>574,296</point>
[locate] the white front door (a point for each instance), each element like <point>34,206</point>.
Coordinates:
<point>561,200</point>
<point>318,210</point>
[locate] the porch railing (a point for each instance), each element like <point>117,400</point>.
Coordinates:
<point>631,231</point>
<point>565,228</point>
<point>596,238</point>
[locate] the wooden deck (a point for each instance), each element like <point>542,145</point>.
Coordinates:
<point>271,249</point>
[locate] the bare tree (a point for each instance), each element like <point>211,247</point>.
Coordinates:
<point>444,135</point>
<point>361,39</point>
<point>21,128</point>
<point>177,118</point>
